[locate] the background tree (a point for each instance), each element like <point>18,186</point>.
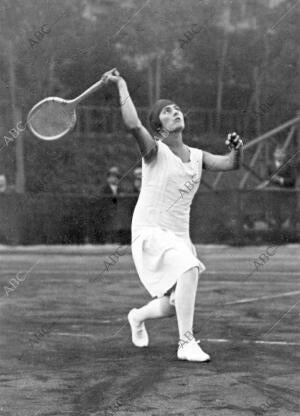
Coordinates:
<point>241,54</point>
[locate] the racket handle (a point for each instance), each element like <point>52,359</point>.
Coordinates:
<point>89,91</point>
<point>86,93</point>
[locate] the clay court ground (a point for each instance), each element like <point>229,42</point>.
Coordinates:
<point>66,348</point>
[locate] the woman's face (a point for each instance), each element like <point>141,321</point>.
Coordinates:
<point>171,118</point>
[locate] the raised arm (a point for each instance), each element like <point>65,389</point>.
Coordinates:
<point>231,161</point>
<point>147,145</point>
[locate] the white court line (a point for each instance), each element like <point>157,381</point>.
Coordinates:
<point>280,295</point>
<point>83,321</point>
<point>122,272</point>
<point>71,334</point>
<point>215,340</point>
<point>257,282</point>
<point>246,341</point>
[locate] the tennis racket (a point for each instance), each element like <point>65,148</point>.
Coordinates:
<point>53,117</point>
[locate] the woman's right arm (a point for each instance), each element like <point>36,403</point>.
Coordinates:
<point>147,145</point>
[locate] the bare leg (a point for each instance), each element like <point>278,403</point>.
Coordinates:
<point>157,308</point>
<point>185,296</point>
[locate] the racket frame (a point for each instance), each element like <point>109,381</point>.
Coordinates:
<point>73,103</point>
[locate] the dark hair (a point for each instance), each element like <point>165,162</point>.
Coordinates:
<point>154,120</point>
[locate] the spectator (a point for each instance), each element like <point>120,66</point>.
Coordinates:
<point>108,226</point>
<point>113,229</point>
<point>3,184</point>
<point>282,205</point>
<point>112,182</point>
<point>285,175</point>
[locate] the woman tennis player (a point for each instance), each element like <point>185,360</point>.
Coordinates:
<point>164,256</point>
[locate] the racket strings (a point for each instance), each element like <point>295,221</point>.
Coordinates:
<point>52,119</point>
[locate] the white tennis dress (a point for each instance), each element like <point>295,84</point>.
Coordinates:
<point>161,246</point>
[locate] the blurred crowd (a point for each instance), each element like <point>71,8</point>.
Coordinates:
<point>114,228</point>
<point>109,216</point>
<point>280,209</point>
<point>113,184</point>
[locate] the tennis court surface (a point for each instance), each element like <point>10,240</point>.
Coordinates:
<point>66,347</point>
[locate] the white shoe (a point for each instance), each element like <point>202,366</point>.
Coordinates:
<point>139,334</point>
<point>191,351</point>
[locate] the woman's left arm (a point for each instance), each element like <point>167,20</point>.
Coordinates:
<point>231,161</point>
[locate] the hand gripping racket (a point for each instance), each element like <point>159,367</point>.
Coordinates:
<point>53,117</point>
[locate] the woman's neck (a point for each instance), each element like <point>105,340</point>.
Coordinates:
<point>173,140</point>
